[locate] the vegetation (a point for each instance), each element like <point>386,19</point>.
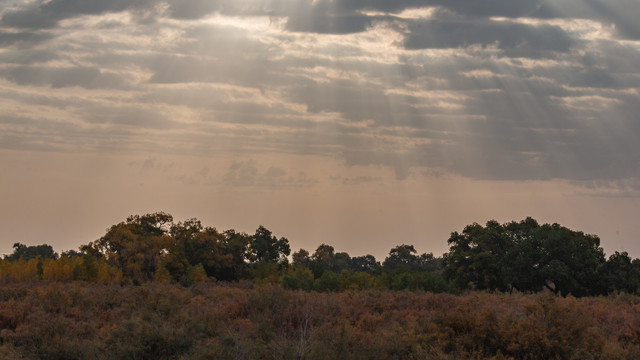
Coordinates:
<point>151,288</point>
<point>51,320</point>
<point>528,257</point>
<point>517,256</point>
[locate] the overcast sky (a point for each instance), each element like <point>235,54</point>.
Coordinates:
<point>363,124</point>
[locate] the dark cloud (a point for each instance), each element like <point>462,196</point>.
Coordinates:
<point>86,77</point>
<point>328,24</point>
<point>46,15</point>
<point>489,8</point>
<point>192,9</point>
<point>22,39</point>
<point>91,7</point>
<point>516,39</point>
<point>27,57</point>
<point>322,17</point>
<point>623,13</point>
<point>32,18</point>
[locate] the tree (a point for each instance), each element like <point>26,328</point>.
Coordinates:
<point>21,251</point>
<point>620,273</point>
<point>404,257</point>
<point>365,263</point>
<point>238,246</point>
<point>322,260</point>
<point>571,261</point>
<point>401,256</point>
<point>195,247</point>
<point>135,246</point>
<point>301,257</point>
<point>341,261</point>
<point>268,248</point>
<point>298,277</point>
<point>525,256</point>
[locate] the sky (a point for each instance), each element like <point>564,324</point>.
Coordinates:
<point>363,124</point>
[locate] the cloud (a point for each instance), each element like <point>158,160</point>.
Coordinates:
<point>32,18</point>
<point>322,17</point>
<point>22,39</point>
<point>487,89</point>
<point>27,57</point>
<point>515,39</point>
<point>248,174</point>
<point>59,77</point>
<point>47,15</point>
<point>356,180</point>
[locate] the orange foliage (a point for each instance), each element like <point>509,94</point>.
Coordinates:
<point>77,320</point>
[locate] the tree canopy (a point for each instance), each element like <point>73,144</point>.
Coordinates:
<point>525,256</point>
<point>522,256</point>
<point>24,252</point>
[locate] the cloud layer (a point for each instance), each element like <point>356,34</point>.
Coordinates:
<point>492,89</point>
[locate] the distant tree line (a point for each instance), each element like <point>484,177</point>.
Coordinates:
<point>517,256</point>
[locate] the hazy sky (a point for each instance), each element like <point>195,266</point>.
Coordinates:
<point>363,124</point>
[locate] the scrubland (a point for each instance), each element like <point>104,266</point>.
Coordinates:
<point>80,320</point>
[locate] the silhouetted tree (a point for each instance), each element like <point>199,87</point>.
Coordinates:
<point>525,256</point>
<point>365,263</point>
<point>268,248</point>
<point>301,257</point>
<point>194,247</point>
<point>21,251</point>
<point>620,273</point>
<point>237,245</point>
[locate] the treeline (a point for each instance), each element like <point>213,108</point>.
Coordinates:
<point>50,320</point>
<point>518,256</point>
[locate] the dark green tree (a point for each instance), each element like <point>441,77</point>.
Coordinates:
<point>475,257</point>
<point>571,261</point>
<point>301,257</point>
<point>21,251</point>
<point>268,248</point>
<point>365,263</point>
<point>237,245</point>
<point>341,261</point>
<point>401,256</point>
<point>193,246</point>
<point>323,259</point>
<point>621,273</point>
<point>524,256</point>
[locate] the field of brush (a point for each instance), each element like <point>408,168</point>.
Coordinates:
<point>76,320</point>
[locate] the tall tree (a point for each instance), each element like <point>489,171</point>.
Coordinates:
<point>364,263</point>
<point>197,246</point>
<point>301,257</point>
<point>136,246</point>
<point>621,273</point>
<point>401,256</point>
<point>268,248</point>
<point>237,245</point>
<point>525,256</point>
